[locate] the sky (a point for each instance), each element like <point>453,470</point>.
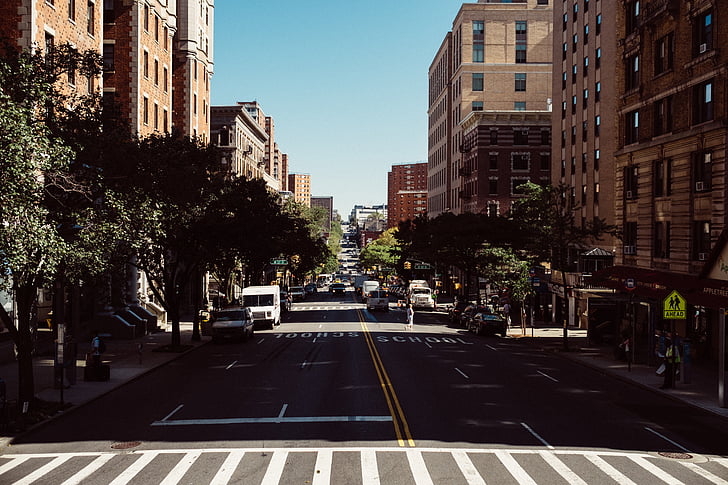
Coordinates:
<point>345,82</point>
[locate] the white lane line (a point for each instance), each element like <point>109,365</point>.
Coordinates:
<point>612,472</point>
<point>89,469</point>
<point>275,468</point>
<point>228,467</point>
<point>172,413</point>
<point>314,339</point>
<point>304,364</point>
<point>418,468</point>
<point>656,471</point>
<point>283,411</point>
<point>275,420</point>
<point>467,468</point>
<point>514,468</point>
<point>462,373</point>
<point>667,439</point>
<point>547,376</point>
<point>491,347</point>
<point>322,473</point>
<point>231,365</point>
<point>261,341</point>
<point>43,471</point>
<point>128,475</point>
<point>175,474</point>
<point>369,470</point>
<point>561,468</point>
<point>705,474</point>
<point>537,436</point>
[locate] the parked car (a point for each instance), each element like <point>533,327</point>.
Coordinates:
<point>297,293</point>
<point>233,323</point>
<point>310,288</point>
<point>456,312</point>
<point>337,288</point>
<point>488,323</point>
<point>470,311</point>
<point>378,300</point>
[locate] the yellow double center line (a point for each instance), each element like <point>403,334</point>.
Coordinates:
<point>401,428</point>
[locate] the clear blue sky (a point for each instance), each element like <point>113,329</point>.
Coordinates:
<point>345,82</point>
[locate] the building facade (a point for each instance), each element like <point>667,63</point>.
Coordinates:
<point>300,185</point>
<point>242,139</point>
<point>327,203</point>
<point>406,192</point>
<point>500,90</point>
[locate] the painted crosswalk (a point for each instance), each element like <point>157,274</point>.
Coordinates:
<point>309,308</point>
<point>369,466</point>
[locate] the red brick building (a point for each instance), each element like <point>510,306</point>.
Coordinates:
<point>406,192</point>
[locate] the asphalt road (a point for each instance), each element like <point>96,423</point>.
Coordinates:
<point>353,393</point>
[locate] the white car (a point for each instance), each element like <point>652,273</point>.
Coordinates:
<point>232,323</point>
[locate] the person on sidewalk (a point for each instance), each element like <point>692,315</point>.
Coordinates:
<point>672,360</point>
<point>410,317</point>
<point>507,313</point>
<point>97,348</point>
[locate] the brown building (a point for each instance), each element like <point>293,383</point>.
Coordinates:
<point>585,112</point>
<point>241,138</point>
<point>300,185</point>
<point>671,164</point>
<point>326,203</point>
<point>406,192</point>
<point>274,166</point>
<point>494,134</point>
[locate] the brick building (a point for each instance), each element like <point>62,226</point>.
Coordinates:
<point>327,203</point>
<point>241,138</point>
<point>406,192</point>
<point>300,185</point>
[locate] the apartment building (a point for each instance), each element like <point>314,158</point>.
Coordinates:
<point>326,203</point>
<point>498,133</point>
<point>670,176</point>
<point>406,192</point>
<point>585,113</point>
<point>241,138</point>
<point>272,158</point>
<point>300,185</point>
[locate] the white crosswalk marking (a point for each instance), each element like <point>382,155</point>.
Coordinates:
<point>228,468</point>
<point>139,467</point>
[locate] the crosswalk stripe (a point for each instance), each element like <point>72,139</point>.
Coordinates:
<point>322,470</point>
<point>86,471</point>
<point>225,473</point>
<point>176,474</point>
<point>655,470</point>
<point>275,468</point>
<point>42,471</point>
<point>369,470</point>
<point>560,468</point>
<point>612,472</point>
<point>128,475</point>
<point>514,468</point>
<point>467,468</point>
<point>13,463</point>
<point>418,468</point>
<point>705,474</point>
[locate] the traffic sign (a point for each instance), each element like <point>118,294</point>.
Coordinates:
<point>629,284</point>
<point>423,266</point>
<point>279,262</point>
<point>674,307</point>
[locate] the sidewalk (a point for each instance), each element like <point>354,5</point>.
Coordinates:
<point>124,357</point>
<point>701,392</point>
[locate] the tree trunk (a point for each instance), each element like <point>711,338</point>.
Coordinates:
<point>25,297</point>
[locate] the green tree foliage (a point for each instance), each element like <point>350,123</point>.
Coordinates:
<point>382,252</point>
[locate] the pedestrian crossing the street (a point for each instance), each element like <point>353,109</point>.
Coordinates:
<point>368,466</point>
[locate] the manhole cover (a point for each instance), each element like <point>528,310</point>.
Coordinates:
<point>125,445</point>
<point>675,456</point>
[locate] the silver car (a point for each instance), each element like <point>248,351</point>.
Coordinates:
<point>233,323</point>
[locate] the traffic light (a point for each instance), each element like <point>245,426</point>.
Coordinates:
<point>407,265</point>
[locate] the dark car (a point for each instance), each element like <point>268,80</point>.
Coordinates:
<point>337,288</point>
<point>310,288</point>
<point>456,312</point>
<point>488,324</point>
<point>297,293</point>
<point>466,318</point>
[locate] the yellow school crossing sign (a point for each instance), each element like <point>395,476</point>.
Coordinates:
<point>674,307</point>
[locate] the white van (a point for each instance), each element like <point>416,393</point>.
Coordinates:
<point>265,303</point>
<point>367,287</point>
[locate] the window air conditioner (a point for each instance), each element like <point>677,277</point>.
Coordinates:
<point>703,48</point>
<point>702,256</point>
<point>629,194</point>
<point>699,186</point>
<point>629,250</point>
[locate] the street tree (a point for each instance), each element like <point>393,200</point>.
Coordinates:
<point>382,252</point>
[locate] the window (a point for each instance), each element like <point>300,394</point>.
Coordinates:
<point>478,53</point>
<point>584,130</point>
<point>630,182</point>
<point>493,137</point>
<point>584,161</point>
<point>520,161</point>
<point>165,78</point>
<point>702,171</point>
<point>145,64</point>
<point>632,126</point>
<point>520,81</point>
<point>72,10</point>
<point>109,15</point>
<point>585,97</point>
<point>521,41</point>
<point>703,102</point>
<point>566,21</point>
<point>545,161</point>
<point>632,71</point>
<point>520,136</point>
<point>597,155</point>
<point>586,66</point>
<point>71,74</point>
<point>493,161</point>
<point>563,80</point>
<point>576,11</point>
<point>574,42</point>
<point>597,91</point>
<point>630,237</point>
<point>586,34</point>
<point>563,109</point>
<point>145,20</point>
<point>545,136</point>
<point>165,121</point>
<point>573,104</point>
<point>194,104</point>
<point>662,116</point>
<point>661,242</point>
<point>599,24</point>
<point>89,84</point>
<point>477,106</point>
<point>598,63</point>
<point>108,57</point>
<point>478,39</point>
<point>633,15</point>
<point>145,110</point>
<point>583,194</point>
<point>156,72</point>
<point>573,73</point>
<point>701,240</point>
<point>564,51</point>
<point>563,168</point>
<point>520,54</point>
<point>573,135</point>
<point>664,54</point>
<point>597,124</point>
<point>492,186</point>
<point>521,29</point>
<point>478,27</point>
<point>662,183</point>
<point>156,28</point>
<point>156,116</point>
<point>90,27</point>
<point>703,33</point>
<point>166,37</point>
<point>519,106</point>
<point>478,81</point>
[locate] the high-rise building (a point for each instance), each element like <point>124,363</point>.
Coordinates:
<point>406,192</point>
<point>584,128</point>
<point>496,134</point>
<point>327,203</point>
<point>300,185</point>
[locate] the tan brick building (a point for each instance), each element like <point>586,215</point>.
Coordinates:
<point>406,192</point>
<point>300,185</point>
<point>275,166</point>
<point>241,138</point>
<point>495,132</point>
